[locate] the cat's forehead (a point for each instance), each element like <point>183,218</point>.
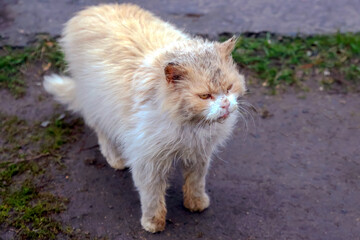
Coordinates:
<point>214,71</point>
<point>201,58</point>
<point>217,77</point>
<point>208,62</point>
<point>207,69</point>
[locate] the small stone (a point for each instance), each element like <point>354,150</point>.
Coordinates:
<point>62,116</point>
<point>90,161</point>
<point>266,114</point>
<point>326,72</point>
<point>45,124</point>
<point>305,111</point>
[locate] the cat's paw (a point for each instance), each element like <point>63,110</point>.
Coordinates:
<point>110,153</point>
<point>117,164</point>
<point>197,204</point>
<point>154,224</point>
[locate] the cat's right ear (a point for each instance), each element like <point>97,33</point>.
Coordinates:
<point>173,72</point>
<point>228,46</point>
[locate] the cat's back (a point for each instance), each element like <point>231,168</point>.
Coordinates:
<point>105,47</point>
<point>117,29</point>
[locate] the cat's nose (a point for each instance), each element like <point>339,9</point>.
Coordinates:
<point>225,103</point>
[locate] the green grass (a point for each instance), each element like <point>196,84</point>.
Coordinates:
<point>30,212</point>
<point>10,66</point>
<point>276,60</point>
<point>58,133</point>
<point>22,140</point>
<point>26,151</point>
<point>14,62</point>
<point>279,60</point>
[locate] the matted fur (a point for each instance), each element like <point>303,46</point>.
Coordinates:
<point>153,94</point>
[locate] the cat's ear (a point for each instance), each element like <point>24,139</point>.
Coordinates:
<point>174,72</point>
<point>228,46</point>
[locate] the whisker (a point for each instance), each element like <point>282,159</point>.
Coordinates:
<point>218,157</point>
<point>246,111</point>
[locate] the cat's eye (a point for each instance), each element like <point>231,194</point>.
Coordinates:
<point>229,88</point>
<point>205,96</point>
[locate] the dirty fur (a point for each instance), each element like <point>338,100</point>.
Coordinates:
<point>153,94</point>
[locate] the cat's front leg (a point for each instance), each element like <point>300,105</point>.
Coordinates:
<point>150,181</point>
<point>194,172</point>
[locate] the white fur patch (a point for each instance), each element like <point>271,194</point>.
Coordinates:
<point>233,102</point>
<point>215,110</point>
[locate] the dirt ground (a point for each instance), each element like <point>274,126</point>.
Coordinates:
<point>295,174</point>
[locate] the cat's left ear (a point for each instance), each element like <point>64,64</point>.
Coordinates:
<point>174,72</point>
<point>228,46</point>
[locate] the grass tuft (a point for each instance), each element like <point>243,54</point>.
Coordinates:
<point>14,62</point>
<point>279,60</point>
<point>25,152</point>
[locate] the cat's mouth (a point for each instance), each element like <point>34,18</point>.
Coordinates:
<point>225,115</point>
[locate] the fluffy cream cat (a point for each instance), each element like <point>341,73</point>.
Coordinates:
<point>153,95</point>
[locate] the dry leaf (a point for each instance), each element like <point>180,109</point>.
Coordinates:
<point>46,67</point>
<point>307,66</point>
<point>49,44</point>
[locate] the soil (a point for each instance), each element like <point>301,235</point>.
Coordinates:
<point>295,174</point>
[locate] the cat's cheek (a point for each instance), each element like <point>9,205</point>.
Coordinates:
<point>233,102</point>
<point>213,111</point>
<point>232,108</point>
<point>199,108</point>
<point>232,99</point>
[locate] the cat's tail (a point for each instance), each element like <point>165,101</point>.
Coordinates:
<point>63,89</point>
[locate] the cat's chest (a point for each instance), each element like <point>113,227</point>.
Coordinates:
<point>161,129</point>
<point>156,131</point>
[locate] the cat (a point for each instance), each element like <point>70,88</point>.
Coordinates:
<point>153,94</point>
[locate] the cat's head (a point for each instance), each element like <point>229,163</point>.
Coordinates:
<point>203,82</point>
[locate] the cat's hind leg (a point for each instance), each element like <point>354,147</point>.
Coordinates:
<point>110,152</point>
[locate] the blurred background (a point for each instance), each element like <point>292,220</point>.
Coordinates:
<point>20,18</point>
